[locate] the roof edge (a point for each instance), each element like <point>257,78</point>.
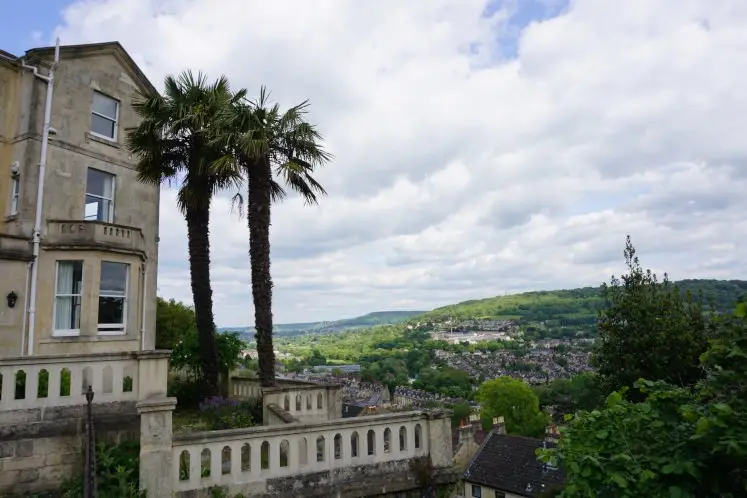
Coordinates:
<point>113,47</point>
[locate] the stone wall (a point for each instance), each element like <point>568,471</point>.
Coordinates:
<point>386,479</point>
<point>42,448</point>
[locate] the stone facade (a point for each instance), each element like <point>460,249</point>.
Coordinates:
<point>118,226</point>
<point>42,429</point>
<point>47,448</point>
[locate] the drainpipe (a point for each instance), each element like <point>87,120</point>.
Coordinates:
<point>142,306</point>
<point>40,190</point>
<point>25,309</point>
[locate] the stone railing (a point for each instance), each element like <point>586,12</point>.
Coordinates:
<point>30,382</point>
<point>94,234</point>
<point>245,388</point>
<point>304,401</point>
<point>257,459</point>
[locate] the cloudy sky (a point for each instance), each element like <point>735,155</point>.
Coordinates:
<point>479,148</point>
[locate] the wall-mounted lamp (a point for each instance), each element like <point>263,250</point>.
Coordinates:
<point>12,298</point>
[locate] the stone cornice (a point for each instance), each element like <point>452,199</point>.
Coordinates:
<point>45,54</point>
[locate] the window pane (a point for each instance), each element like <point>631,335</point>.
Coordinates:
<point>69,277</point>
<point>98,209</point>
<point>102,126</point>
<point>99,183</point>
<point>15,189</point>
<point>67,313</point>
<point>67,302</point>
<point>113,278</point>
<point>111,310</point>
<point>105,105</point>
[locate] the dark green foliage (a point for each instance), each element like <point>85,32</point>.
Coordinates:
<point>174,320</point>
<point>677,442</point>
<point>185,354</point>
<point>189,391</point>
<point>461,411</point>
<point>580,392</point>
<point>446,381</point>
<point>176,330</point>
<point>648,330</point>
<point>117,472</point>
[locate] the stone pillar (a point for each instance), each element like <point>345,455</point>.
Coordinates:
<point>153,373</point>
<point>156,468</point>
<point>439,439</point>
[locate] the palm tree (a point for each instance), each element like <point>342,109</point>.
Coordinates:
<point>269,147</point>
<point>173,146</point>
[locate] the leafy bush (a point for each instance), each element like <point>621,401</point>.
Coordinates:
<point>188,391</point>
<point>225,413</point>
<point>117,472</point>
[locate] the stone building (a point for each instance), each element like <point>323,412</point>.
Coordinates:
<point>98,252</point>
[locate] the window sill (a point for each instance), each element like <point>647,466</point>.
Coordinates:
<point>91,137</point>
<point>87,338</point>
<point>11,217</point>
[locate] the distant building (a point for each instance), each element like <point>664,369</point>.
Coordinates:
<point>346,369</point>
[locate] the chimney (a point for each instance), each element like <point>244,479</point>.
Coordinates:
<point>499,426</point>
<point>465,432</point>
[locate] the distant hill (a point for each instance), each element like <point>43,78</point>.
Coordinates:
<point>572,306</point>
<point>365,321</point>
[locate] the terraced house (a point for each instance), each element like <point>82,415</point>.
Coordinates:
<point>92,286</point>
<point>78,265</point>
<point>78,259</point>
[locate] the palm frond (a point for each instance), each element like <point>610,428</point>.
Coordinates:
<point>174,141</point>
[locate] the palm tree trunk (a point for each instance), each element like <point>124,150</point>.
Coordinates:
<point>258,215</point>
<point>198,235</point>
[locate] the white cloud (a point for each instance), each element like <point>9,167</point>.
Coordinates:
<point>463,170</point>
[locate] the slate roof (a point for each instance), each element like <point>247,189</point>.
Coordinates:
<point>350,410</point>
<point>509,464</point>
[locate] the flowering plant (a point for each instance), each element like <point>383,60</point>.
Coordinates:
<point>225,413</point>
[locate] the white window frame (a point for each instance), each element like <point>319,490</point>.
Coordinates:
<point>116,117</point>
<point>15,193</point>
<point>66,332</point>
<point>111,201</point>
<point>114,328</point>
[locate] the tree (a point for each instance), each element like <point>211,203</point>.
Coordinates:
<point>678,441</point>
<point>173,145</point>
<point>269,147</point>
<point>462,411</point>
<point>648,330</point>
<point>176,330</point>
<point>515,401</point>
<point>174,320</point>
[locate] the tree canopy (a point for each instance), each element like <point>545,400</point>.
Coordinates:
<point>515,401</point>
<point>677,442</point>
<point>648,330</point>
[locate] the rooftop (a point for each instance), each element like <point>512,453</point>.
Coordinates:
<point>510,464</point>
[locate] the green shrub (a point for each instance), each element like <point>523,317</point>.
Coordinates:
<point>225,413</point>
<point>117,472</point>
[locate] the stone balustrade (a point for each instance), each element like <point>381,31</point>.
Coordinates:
<point>32,382</point>
<point>257,459</point>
